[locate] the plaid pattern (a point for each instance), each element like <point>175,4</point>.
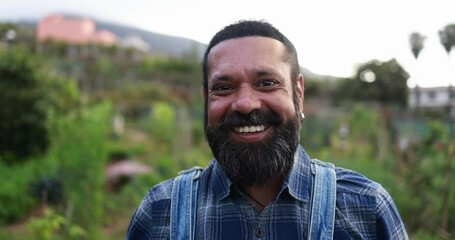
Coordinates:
<point>364,210</point>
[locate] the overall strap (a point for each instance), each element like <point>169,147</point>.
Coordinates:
<point>322,218</point>
<point>184,203</point>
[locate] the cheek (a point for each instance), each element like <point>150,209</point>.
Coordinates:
<point>284,107</point>
<point>215,110</point>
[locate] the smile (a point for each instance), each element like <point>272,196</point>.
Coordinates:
<point>249,129</point>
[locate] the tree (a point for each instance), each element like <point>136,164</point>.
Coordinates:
<point>416,41</point>
<point>29,94</point>
<point>447,37</point>
<point>375,81</point>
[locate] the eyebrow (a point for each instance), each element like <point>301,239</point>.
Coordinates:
<point>258,73</point>
<point>262,73</point>
<point>218,78</point>
<point>222,77</point>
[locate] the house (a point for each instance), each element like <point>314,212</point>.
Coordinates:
<point>71,30</point>
<point>431,97</point>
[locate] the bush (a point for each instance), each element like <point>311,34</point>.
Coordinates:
<point>29,94</point>
<point>161,123</point>
<point>15,200</point>
<point>80,151</point>
<point>54,226</point>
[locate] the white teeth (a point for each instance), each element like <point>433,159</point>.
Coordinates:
<point>249,129</point>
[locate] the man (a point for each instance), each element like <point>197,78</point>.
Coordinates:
<point>262,184</point>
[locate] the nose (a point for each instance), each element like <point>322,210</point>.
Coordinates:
<point>247,100</point>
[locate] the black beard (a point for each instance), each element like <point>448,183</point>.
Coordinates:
<point>254,163</point>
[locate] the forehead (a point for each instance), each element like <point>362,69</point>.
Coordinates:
<point>246,51</point>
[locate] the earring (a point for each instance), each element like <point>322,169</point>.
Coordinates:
<point>302,115</point>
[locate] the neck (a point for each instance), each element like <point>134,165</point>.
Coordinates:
<point>261,195</point>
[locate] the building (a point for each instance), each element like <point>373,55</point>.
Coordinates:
<point>431,97</point>
<point>135,41</point>
<point>71,30</point>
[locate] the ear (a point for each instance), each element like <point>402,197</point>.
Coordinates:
<point>300,91</point>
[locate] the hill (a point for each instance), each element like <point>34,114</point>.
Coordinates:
<point>164,44</point>
<point>159,43</point>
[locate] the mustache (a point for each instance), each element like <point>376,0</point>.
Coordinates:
<point>256,117</point>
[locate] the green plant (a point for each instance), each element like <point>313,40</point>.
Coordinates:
<point>30,93</point>
<point>52,226</point>
<point>15,200</point>
<point>80,151</point>
<point>161,125</point>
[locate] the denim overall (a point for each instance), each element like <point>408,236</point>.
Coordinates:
<point>322,219</point>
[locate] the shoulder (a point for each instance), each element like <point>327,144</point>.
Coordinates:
<point>357,193</point>
<point>352,182</point>
<point>361,200</point>
<point>354,186</point>
<point>161,191</point>
<point>151,217</point>
<point>157,199</point>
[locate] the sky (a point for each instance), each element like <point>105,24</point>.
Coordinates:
<point>332,37</point>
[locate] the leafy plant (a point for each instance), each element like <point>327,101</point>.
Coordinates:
<point>29,94</point>
<point>53,226</point>
<point>15,200</point>
<point>80,152</point>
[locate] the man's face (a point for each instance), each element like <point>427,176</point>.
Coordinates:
<point>251,122</point>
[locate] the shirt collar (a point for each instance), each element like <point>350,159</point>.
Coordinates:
<point>221,183</point>
<point>297,181</point>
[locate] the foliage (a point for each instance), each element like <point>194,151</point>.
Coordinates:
<point>426,166</point>
<point>361,133</point>
<point>133,101</point>
<point>416,41</point>
<point>23,125</point>
<point>383,82</point>
<point>77,157</point>
<point>167,65</point>
<point>24,35</point>
<point>162,122</point>
<point>54,226</point>
<point>316,131</point>
<point>29,94</point>
<point>447,37</point>
<point>80,152</point>
<point>132,194</point>
<point>15,201</point>
<point>5,27</point>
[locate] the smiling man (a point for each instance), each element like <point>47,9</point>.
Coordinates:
<point>261,184</point>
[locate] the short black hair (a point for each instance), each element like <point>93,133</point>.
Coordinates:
<point>248,28</point>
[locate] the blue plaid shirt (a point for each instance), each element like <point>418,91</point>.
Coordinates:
<point>364,210</point>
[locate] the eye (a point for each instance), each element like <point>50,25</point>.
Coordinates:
<point>267,83</point>
<point>221,87</point>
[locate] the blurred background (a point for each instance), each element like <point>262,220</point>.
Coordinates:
<point>101,100</point>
